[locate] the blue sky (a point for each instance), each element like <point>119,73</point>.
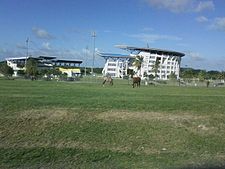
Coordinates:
<point>63,28</point>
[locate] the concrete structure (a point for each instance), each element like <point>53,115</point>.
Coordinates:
<point>44,62</point>
<point>168,62</point>
<point>116,65</point>
<point>16,64</point>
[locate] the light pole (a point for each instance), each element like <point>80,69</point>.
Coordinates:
<point>85,68</point>
<point>93,61</point>
<point>27,43</point>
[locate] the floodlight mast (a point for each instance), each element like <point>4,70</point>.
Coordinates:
<point>86,54</point>
<point>27,42</point>
<point>93,61</point>
<point>27,45</point>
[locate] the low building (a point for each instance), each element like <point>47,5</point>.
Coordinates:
<point>44,62</point>
<point>75,72</point>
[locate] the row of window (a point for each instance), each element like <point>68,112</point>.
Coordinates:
<point>111,64</point>
<point>163,71</point>
<point>162,67</point>
<point>111,69</point>
<point>168,62</point>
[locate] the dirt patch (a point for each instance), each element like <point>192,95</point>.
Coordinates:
<point>197,124</point>
<point>50,114</point>
<point>143,116</point>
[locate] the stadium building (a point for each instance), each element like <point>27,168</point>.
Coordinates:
<point>70,67</point>
<point>168,62</point>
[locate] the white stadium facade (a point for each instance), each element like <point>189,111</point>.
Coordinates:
<point>168,62</point>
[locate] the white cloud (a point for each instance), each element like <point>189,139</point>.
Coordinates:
<point>147,29</point>
<point>201,19</point>
<point>195,56</point>
<point>151,38</point>
<point>2,50</point>
<point>107,31</point>
<point>178,6</point>
<point>218,24</point>
<point>171,5</point>
<point>4,53</point>
<point>21,46</point>
<point>46,45</point>
<point>41,33</point>
<point>87,52</point>
<point>205,5</point>
<point>183,44</point>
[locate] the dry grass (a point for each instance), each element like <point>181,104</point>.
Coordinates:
<point>142,116</point>
<point>198,124</point>
<point>49,114</point>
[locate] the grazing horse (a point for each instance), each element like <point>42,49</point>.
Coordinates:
<point>136,81</point>
<point>108,80</point>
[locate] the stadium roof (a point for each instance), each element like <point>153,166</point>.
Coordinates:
<point>17,58</point>
<point>131,48</point>
<point>47,57</point>
<point>113,55</point>
<point>52,58</point>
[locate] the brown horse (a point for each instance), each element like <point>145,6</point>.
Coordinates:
<point>108,80</point>
<point>136,81</point>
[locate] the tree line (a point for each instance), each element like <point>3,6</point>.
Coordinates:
<point>190,73</point>
<point>33,71</point>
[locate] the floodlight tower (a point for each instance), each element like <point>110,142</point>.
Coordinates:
<point>86,55</point>
<point>27,45</point>
<point>93,61</point>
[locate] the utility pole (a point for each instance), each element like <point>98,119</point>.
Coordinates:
<point>85,68</point>
<point>27,45</point>
<point>93,61</point>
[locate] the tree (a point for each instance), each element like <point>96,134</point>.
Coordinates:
<point>155,67</point>
<point>32,67</point>
<point>222,75</point>
<point>137,62</point>
<point>54,72</point>
<point>6,70</point>
<point>202,75</point>
<point>214,74</point>
<point>172,76</point>
<point>187,73</point>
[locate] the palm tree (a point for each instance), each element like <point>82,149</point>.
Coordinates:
<point>156,66</point>
<point>137,62</point>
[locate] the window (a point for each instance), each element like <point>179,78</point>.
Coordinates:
<point>152,57</point>
<point>111,69</point>
<point>111,64</point>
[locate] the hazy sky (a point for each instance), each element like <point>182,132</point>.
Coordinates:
<point>63,28</point>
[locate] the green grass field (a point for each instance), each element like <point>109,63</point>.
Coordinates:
<point>47,124</point>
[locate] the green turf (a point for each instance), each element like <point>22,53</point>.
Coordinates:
<point>47,124</point>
